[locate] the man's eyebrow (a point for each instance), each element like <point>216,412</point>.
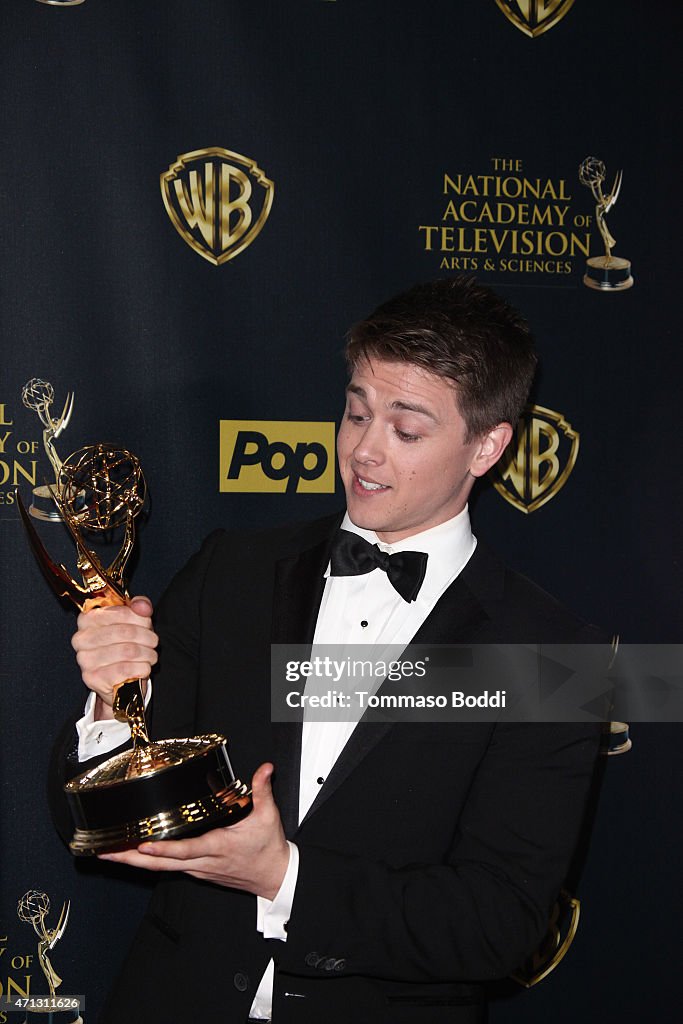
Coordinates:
<point>414,407</point>
<point>399,405</point>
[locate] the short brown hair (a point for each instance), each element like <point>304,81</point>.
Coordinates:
<point>462,331</point>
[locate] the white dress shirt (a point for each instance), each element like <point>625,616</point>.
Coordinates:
<point>354,610</point>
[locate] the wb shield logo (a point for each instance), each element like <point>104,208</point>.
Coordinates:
<point>284,457</point>
<point>534,17</point>
<point>539,460</point>
<point>217,200</point>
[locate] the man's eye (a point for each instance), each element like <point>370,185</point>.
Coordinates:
<point>355,417</point>
<point>404,436</point>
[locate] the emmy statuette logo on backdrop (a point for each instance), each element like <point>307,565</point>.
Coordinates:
<point>618,740</point>
<point>534,17</point>
<point>38,395</point>
<point>218,201</point>
<point>33,908</point>
<point>606,273</point>
<point>279,457</point>
<point>159,789</point>
<point>538,461</point>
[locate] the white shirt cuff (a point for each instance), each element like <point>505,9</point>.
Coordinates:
<point>272,916</point>
<point>95,738</point>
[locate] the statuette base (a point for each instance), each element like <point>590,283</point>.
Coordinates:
<point>167,790</point>
<point>43,506</point>
<point>608,274</point>
<point>49,1015</point>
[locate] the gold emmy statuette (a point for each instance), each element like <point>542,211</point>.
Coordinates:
<point>157,790</point>
<point>606,273</point>
<point>38,396</point>
<point>33,908</point>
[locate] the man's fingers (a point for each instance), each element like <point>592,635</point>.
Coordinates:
<point>114,634</point>
<point>137,859</point>
<point>120,655</point>
<point>116,643</point>
<point>115,615</point>
<point>171,854</point>
<point>141,606</point>
<point>261,789</point>
<point>184,849</point>
<point>103,680</point>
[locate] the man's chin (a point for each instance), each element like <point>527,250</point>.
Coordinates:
<point>372,512</point>
<point>361,521</point>
<point>369,519</point>
<point>363,518</point>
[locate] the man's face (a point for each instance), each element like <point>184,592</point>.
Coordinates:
<point>402,453</point>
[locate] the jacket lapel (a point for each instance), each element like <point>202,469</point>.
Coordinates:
<point>364,737</point>
<point>297,592</point>
<point>456,618</point>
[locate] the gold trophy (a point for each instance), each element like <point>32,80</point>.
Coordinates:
<point>157,790</point>
<point>38,395</point>
<point>606,273</point>
<point>33,908</point>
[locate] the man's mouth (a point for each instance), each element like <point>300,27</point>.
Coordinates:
<point>370,485</point>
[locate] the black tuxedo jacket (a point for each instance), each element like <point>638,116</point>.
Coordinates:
<point>433,853</point>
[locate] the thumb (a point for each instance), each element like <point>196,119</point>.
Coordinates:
<point>142,606</point>
<point>261,789</point>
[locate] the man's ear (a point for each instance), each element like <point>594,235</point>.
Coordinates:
<point>490,448</point>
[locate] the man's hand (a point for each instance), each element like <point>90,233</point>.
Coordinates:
<point>252,854</point>
<point>114,644</point>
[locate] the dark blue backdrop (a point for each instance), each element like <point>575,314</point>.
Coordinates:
<point>355,109</point>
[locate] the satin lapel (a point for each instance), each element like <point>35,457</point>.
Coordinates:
<point>298,589</point>
<point>458,617</point>
<point>364,737</point>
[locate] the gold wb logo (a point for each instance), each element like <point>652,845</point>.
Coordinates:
<point>539,460</point>
<point>534,17</point>
<point>218,201</point>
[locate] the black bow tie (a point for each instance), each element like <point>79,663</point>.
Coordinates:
<point>352,555</point>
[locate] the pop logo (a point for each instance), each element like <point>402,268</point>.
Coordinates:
<point>277,456</point>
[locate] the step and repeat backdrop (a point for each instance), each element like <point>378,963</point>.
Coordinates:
<point>196,201</point>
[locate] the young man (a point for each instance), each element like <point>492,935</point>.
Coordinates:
<point>390,870</point>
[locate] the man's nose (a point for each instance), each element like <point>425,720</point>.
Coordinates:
<point>370,447</point>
